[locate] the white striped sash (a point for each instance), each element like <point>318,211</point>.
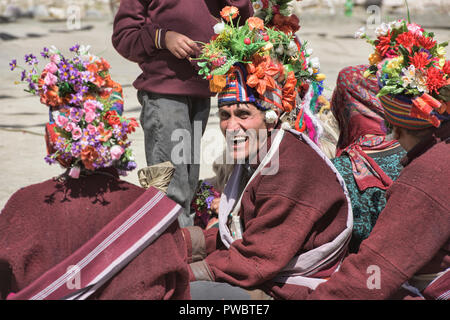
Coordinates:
<point>108,251</point>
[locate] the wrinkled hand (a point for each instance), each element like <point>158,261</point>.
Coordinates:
<point>215,205</point>
<point>181,46</point>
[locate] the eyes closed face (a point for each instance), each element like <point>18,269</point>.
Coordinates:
<point>241,125</point>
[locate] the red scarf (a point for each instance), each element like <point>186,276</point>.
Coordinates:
<point>366,171</point>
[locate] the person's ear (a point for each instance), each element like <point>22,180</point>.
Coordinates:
<point>397,132</point>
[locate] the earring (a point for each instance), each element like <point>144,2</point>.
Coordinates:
<point>270,116</point>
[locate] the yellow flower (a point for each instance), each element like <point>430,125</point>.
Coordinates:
<point>441,62</point>
<point>441,52</point>
<point>395,63</point>
<point>374,58</point>
<point>367,74</point>
<point>267,47</point>
<point>320,77</point>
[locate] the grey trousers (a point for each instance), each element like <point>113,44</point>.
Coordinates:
<point>209,290</point>
<point>173,126</point>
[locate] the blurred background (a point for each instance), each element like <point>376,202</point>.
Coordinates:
<point>26,26</point>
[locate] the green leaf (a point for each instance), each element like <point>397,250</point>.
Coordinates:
<point>225,67</point>
<point>385,90</point>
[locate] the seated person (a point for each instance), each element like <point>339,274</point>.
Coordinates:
<point>283,203</point>
<point>44,225</point>
<point>367,158</point>
<point>407,254</point>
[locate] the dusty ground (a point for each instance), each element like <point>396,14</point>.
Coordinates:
<point>22,117</point>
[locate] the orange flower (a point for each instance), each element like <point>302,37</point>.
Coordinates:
<point>51,97</point>
<point>255,23</point>
<point>88,156</point>
<point>229,11</point>
<point>261,74</point>
<point>217,83</point>
<point>104,134</point>
<point>289,92</point>
<point>285,24</point>
<point>92,68</point>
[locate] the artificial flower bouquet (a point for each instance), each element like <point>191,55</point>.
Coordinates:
<point>257,46</point>
<point>277,14</point>
<point>86,127</point>
<point>201,204</point>
<point>410,64</point>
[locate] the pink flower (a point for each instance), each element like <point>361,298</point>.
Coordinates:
<point>89,116</point>
<point>415,29</point>
<point>61,121</point>
<point>91,129</point>
<point>55,58</point>
<point>76,133</point>
<point>391,54</point>
<point>116,152</point>
<point>70,126</point>
<point>51,67</point>
<point>50,79</point>
<point>90,105</point>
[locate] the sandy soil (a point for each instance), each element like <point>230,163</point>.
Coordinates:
<point>22,117</point>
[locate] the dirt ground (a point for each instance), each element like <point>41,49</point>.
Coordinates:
<point>22,117</point>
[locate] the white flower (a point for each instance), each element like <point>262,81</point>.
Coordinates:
<point>279,50</point>
<point>219,27</point>
<point>421,81</point>
<point>84,50</point>
<point>360,33</point>
<point>292,48</point>
<point>396,24</point>
<point>315,63</point>
<point>382,30</point>
<point>309,51</point>
<point>257,5</point>
<point>53,50</point>
<point>409,76</point>
<point>271,116</point>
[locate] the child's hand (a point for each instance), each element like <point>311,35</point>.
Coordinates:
<point>181,46</point>
<point>215,205</point>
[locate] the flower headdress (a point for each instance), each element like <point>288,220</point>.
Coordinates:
<point>413,74</point>
<point>86,128</point>
<point>264,63</point>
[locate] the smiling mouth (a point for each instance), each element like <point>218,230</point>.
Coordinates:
<point>239,139</point>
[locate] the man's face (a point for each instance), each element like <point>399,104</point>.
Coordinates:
<point>244,129</point>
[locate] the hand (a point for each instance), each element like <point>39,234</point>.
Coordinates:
<point>181,46</point>
<point>215,205</point>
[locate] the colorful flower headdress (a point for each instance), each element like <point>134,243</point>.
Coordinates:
<point>86,128</point>
<point>266,62</point>
<point>413,74</point>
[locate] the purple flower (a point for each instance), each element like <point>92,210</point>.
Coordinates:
<point>23,75</point>
<point>45,53</point>
<point>50,159</point>
<point>76,99</point>
<point>31,59</point>
<point>76,149</point>
<point>209,201</point>
<point>131,165</point>
<point>75,48</point>
<point>13,64</point>
<point>75,114</point>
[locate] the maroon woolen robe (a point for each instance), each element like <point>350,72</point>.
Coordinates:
<point>44,223</point>
<point>299,208</point>
<point>411,236</point>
